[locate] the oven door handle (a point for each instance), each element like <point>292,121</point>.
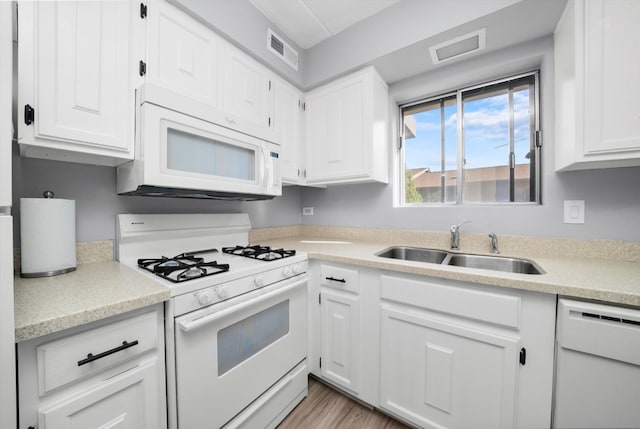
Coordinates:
<point>189,325</point>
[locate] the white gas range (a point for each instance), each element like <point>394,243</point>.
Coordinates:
<point>236,323</point>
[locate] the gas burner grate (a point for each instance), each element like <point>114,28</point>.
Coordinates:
<point>262,253</point>
<point>182,267</point>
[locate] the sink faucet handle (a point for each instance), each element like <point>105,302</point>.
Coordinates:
<point>494,243</point>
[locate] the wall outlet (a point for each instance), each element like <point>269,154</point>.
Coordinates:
<point>574,211</point>
<point>307,211</point>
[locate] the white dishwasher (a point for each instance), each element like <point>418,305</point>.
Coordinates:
<point>598,366</point>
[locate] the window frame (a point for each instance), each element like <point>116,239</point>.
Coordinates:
<point>535,135</point>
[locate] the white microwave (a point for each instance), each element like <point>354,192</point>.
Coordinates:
<point>181,151</point>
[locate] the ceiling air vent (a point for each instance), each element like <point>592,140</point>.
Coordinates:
<point>459,46</point>
<point>281,49</point>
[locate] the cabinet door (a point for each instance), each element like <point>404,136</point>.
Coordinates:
<point>183,54</point>
<point>612,85</point>
<point>127,401</point>
<point>248,99</point>
<point>340,324</point>
<point>438,374</point>
<point>287,119</point>
<point>78,70</point>
<point>336,127</point>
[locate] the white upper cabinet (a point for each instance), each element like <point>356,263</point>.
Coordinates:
<point>248,94</point>
<point>347,130</point>
<point>78,70</point>
<point>597,82</point>
<point>287,121</point>
<point>183,54</point>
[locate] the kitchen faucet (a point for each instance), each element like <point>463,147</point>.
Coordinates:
<point>455,235</point>
<point>494,243</point>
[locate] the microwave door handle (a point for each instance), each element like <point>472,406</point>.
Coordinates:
<point>263,166</point>
<point>190,325</point>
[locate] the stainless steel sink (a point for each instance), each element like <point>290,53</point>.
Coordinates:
<point>484,262</point>
<point>418,254</point>
<point>496,263</point>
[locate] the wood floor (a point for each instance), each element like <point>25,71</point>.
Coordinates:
<point>325,408</point>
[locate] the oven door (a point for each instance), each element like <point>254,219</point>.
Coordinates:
<point>228,354</point>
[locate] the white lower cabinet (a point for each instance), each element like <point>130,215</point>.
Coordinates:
<point>124,401</point>
<point>439,373</point>
<point>340,328</point>
<point>434,353</point>
<point>460,355</point>
<point>344,340</point>
<point>107,374</point>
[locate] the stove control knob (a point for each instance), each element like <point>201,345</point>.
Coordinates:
<point>205,297</point>
<point>286,272</point>
<point>297,269</point>
<point>222,292</point>
<point>258,281</point>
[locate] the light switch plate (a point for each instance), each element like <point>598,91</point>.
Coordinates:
<point>307,211</point>
<point>574,211</point>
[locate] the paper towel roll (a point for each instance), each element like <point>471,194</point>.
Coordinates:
<point>47,236</point>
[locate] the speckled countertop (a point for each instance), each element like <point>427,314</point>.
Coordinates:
<point>603,270</point>
<point>94,291</point>
<point>591,270</point>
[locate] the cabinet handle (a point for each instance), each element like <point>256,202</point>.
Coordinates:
<point>333,279</point>
<point>91,357</point>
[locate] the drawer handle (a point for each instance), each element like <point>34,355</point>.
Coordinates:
<point>333,279</point>
<point>91,357</point>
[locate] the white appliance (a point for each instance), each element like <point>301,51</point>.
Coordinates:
<point>182,151</point>
<point>597,366</point>
<point>7,332</point>
<point>236,323</point>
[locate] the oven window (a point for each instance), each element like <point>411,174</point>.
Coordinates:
<point>198,154</point>
<point>243,339</point>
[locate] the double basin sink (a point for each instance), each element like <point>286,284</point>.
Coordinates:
<point>485,262</point>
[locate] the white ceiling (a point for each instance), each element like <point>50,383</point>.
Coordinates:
<point>309,22</point>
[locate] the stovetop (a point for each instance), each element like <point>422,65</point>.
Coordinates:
<point>259,252</point>
<point>187,266</point>
<point>148,243</point>
<point>183,267</point>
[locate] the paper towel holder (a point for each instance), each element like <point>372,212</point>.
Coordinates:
<point>47,229</point>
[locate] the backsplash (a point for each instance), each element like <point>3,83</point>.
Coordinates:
<point>86,252</point>
<point>509,245</point>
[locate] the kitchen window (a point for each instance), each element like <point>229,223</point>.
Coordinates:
<point>491,155</point>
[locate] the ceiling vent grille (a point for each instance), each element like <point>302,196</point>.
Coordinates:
<point>459,46</point>
<point>281,49</point>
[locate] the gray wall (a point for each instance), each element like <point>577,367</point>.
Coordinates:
<point>612,197</point>
<point>97,204</point>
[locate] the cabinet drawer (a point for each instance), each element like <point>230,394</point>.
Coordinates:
<point>68,359</point>
<point>485,306</point>
<point>339,278</point>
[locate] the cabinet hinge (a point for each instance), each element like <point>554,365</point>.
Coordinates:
<point>320,363</point>
<point>538,138</point>
<point>142,68</point>
<point>29,114</point>
<point>523,356</point>
<point>143,10</point>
